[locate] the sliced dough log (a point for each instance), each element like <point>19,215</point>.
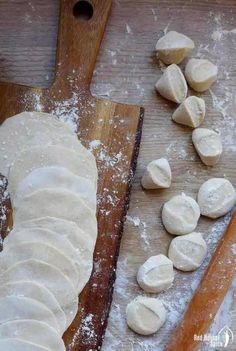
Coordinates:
<point>52,155</point>
<point>56,177</point>
<point>36,332</point>
<point>18,307</point>
<point>17,252</point>
<point>50,277</point>
<point>37,292</point>
<point>20,345</point>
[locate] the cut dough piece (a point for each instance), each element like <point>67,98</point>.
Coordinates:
<point>216,197</point>
<point>200,74</point>
<point>180,214</point>
<point>41,251</point>
<point>20,345</point>
<point>157,175</point>
<point>36,332</point>
<point>18,307</point>
<point>156,274</point>
<point>145,315</point>
<point>172,84</point>
<point>187,252</point>
<point>56,177</point>
<point>37,292</point>
<point>173,47</point>
<point>52,155</point>
<point>191,112</point>
<point>208,145</point>
<point>50,277</point>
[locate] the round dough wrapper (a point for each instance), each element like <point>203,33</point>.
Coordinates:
<point>20,345</point>
<point>18,307</point>
<point>145,315</point>
<point>200,74</point>
<point>37,292</point>
<point>216,197</point>
<point>187,252</point>
<point>50,277</point>
<point>56,177</point>
<point>191,112</point>
<point>172,84</point>
<point>180,214</point>
<point>173,47</point>
<point>156,274</point>
<point>36,332</point>
<point>157,175</point>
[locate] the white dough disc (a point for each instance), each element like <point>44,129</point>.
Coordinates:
<point>20,345</point>
<point>50,277</point>
<point>157,175</point>
<point>191,112</point>
<point>200,74</point>
<point>36,332</point>
<point>37,292</point>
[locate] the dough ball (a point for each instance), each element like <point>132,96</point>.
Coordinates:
<point>173,47</point>
<point>191,112</point>
<point>156,274</point>
<point>157,175</point>
<point>145,315</point>
<point>208,145</point>
<point>200,74</point>
<point>187,252</point>
<point>172,84</point>
<point>180,214</point>
<point>216,197</point>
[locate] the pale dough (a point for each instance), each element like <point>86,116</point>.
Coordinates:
<point>187,252</point>
<point>180,214</point>
<point>173,47</point>
<point>191,112</point>
<point>200,74</point>
<point>20,345</point>
<point>157,175</point>
<point>216,197</point>
<point>172,84</point>
<point>145,315</point>
<point>208,145</point>
<point>156,274</point>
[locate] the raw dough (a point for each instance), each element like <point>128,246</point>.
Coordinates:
<point>157,175</point>
<point>38,333</point>
<point>200,74</point>
<point>208,145</point>
<point>216,197</point>
<point>20,345</point>
<point>173,47</point>
<point>145,315</point>
<point>37,292</point>
<point>156,274</point>
<point>191,112</point>
<point>172,84</point>
<point>180,214</point>
<point>187,252</point>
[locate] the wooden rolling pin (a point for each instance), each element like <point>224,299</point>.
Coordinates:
<point>209,295</point>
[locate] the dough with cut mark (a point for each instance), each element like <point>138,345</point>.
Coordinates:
<point>191,112</point>
<point>157,175</point>
<point>200,74</point>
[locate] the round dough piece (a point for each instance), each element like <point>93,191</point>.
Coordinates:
<point>216,197</point>
<point>18,307</point>
<point>20,345</point>
<point>56,177</point>
<point>180,214</point>
<point>50,277</point>
<point>172,84</point>
<point>145,315</point>
<point>157,175</point>
<point>156,274</point>
<point>173,47</point>
<point>187,252</point>
<point>200,74</point>
<point>208,145</point>
<point>52,155</point>
<point>191,112</point>
<point>36,332</point>
<point>38,292</point>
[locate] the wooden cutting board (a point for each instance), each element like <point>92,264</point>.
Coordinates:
<point>115,132</point>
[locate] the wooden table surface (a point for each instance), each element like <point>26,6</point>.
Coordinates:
<point>127,71</point>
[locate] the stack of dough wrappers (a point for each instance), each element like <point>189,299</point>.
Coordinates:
<point>48,255</point>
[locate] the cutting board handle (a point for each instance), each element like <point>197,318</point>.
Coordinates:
<point>79,40</point>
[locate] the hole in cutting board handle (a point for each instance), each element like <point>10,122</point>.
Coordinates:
<point>83,10</point>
